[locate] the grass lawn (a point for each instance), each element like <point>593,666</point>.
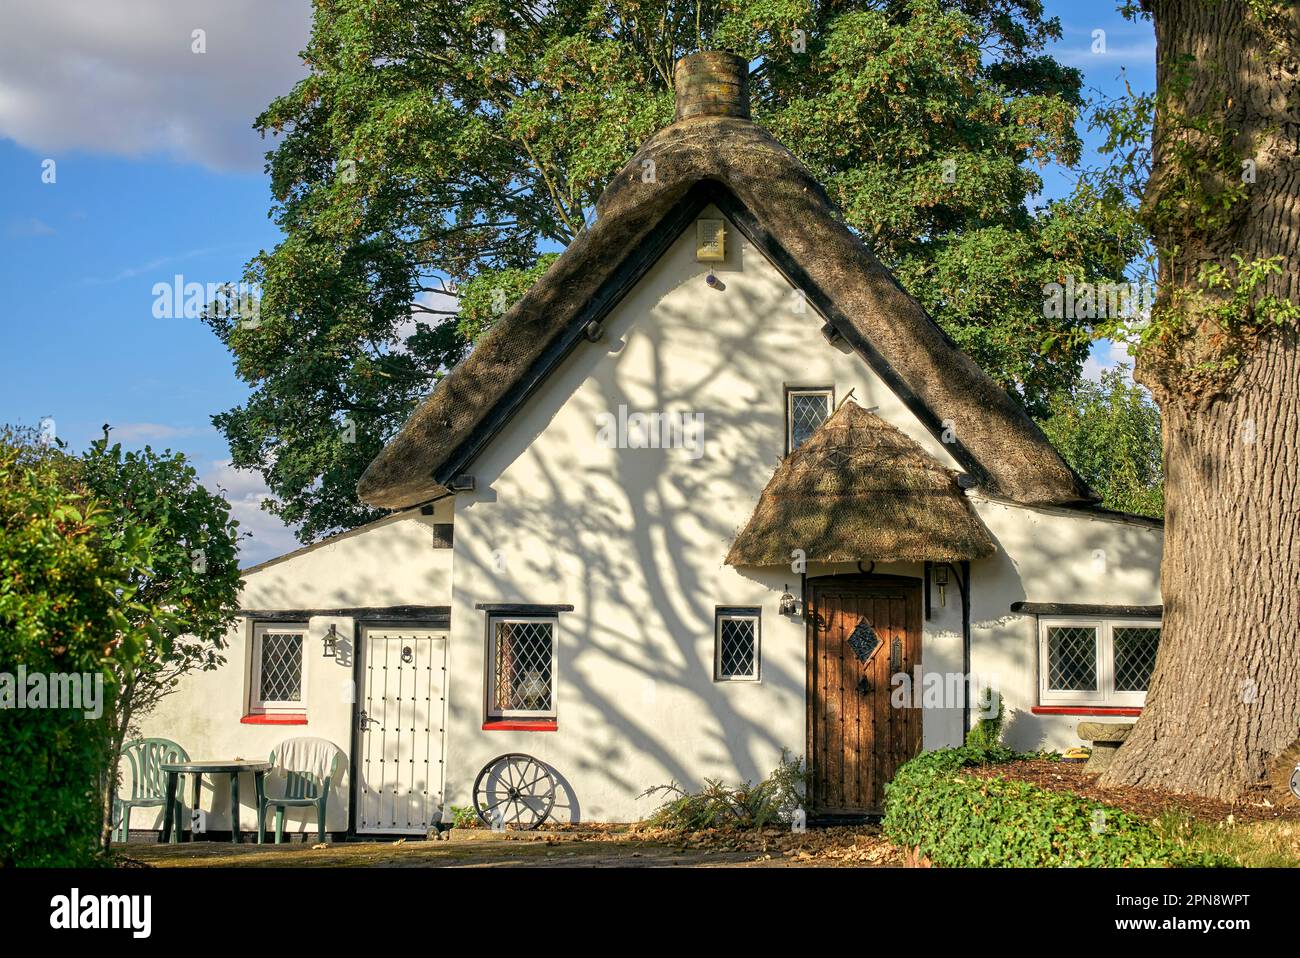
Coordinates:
<point>1273,844</point>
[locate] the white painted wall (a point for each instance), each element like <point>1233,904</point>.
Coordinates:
<point>1050,555</point>
<point>635,540</point>
<point>388,563</point>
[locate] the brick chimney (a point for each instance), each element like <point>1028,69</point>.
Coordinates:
<point>712,83</point>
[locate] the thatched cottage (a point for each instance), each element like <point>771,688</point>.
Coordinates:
<point>715,488</point>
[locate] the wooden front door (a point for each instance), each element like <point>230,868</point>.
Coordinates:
<point>861,631</point>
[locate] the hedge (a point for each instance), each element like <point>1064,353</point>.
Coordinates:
<point>961,820</point>
<point>57,602</point>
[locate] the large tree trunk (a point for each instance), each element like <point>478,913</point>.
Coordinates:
<point>1224,703</point>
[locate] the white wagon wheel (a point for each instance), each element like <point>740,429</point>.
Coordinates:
<point>514,790</point>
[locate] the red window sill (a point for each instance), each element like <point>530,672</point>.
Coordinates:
<point>517,725</point>
<point>284,718</point>
<point>1076,710</point>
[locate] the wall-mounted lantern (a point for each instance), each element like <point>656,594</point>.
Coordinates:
<point>941,580</point>
<point>331,641</point>
<point>789,604</point>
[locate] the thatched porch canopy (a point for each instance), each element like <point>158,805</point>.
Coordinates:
<point>857,490</point>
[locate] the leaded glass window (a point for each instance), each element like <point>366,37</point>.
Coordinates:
<point>1135,657</point>
<point>806,409</point>
<point>278,656</point>
<point>1096,662</point>
<point>736,645</point>
<point>523,666</point>
<point>1072,658</point>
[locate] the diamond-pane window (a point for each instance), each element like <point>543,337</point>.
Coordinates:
<point>523,656</point>
<point>737,651</point>
<point>1135,657</point>
<point>1072,658</point>
<point>280,673</point>
<point>1096,662</point>
<point>807,410</point>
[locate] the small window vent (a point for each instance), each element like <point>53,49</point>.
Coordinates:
<point>710,241</point>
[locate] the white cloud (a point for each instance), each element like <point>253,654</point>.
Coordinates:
<point>1139,55</point>
<point>436,300</point>
<point>120,77</point>
<point>1107,354</point>
<point>140,432</point>
<point>245,491</point>
<point>31,227</point>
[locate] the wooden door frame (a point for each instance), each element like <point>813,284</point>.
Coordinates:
<point>866,581</point>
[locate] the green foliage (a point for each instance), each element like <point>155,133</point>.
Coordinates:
<point>987,732</point>
<point>183,596</point>
<point>1109,432</point>
<point>1231,308</point>
<point>464,816</point>
<point>1204,322</point>
<point>424,153</point>
<point>961,820</point>
<point>482,300</point>
<point>59,613</point>
<point>113,563</point>
<point>747,806</point>
<point>180,592</point>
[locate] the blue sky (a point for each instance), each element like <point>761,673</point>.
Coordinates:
<point>158,173</point>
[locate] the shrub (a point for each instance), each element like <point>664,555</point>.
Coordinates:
<point>58,614</point>
<point>748,806</point>
<point>961,820</point>
<point>988,731</point>
<point>181,592</point>
<point>465,816</point>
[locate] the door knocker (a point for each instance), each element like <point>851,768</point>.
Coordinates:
<point>407,654</point>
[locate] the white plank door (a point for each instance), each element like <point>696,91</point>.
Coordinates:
<point>399,753</point>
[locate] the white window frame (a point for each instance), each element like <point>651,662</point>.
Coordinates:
<point>1105,695</point>
<point>790,393</point>
<point>257,703</point>
<point>729,614</point>
<point>490,673</point>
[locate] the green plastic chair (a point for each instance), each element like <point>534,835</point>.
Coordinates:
<point>148,781</point>
<point>303,788</point>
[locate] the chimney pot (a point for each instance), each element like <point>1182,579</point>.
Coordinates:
<point>712,83</point>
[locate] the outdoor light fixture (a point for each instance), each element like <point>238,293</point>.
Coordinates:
<point>331,641</point>
<point>789,605</point>
<point>941,580</point>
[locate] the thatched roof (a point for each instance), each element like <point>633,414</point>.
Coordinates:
<point>776,203</point>
<point>859,490</point>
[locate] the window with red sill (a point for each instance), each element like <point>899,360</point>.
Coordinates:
<point>521,691</point>
<point>279,686</point>
<point>1093,665</point>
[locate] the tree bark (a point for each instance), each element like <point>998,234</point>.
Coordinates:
<point>1224,702</point>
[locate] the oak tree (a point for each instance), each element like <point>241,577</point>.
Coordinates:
<point>437,153</point>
